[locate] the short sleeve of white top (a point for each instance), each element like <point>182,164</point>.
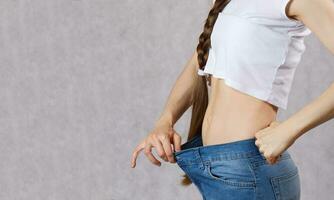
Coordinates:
<point>256,48</point>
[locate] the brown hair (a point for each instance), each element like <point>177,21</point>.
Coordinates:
<point>200,93</point>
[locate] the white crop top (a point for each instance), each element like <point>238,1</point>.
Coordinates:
<point>256,48</point>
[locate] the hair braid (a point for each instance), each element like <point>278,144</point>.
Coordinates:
<point>200,93</point>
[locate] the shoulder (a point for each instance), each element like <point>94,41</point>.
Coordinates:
<point>301,8</point>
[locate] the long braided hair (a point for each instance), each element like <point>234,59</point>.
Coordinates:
<point>200,93</point>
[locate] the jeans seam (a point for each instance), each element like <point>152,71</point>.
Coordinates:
<point>275,181</point>
<point>253,173</point>
<point>263,162</point>
<point>230,183</point>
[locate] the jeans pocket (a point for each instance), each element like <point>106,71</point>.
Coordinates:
<point>287,186</point>
<point>235,173</point>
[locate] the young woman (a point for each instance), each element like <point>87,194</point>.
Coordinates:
<point>247,54</point>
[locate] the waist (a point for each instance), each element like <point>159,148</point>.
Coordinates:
<point>193,152</point>
<point>233,115</point>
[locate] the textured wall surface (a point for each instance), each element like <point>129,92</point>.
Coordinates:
<point>82,81</point>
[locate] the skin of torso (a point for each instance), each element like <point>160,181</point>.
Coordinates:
<point>232,115</point>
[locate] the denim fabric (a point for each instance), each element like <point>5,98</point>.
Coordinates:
<point>238,171</point>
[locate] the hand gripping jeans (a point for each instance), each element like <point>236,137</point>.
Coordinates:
<point>238,171</point>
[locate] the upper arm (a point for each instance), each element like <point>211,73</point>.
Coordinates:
<point>318,16</point>
<point>194,60</point>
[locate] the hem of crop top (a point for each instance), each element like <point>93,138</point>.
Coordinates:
<point>259,94</point>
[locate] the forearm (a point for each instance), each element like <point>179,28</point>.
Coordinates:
<point>313,114</point>
<point>322,25</point>
<point>180,97</point>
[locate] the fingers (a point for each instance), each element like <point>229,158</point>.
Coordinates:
<point>261,149</point>
<point>150,156</point>
<point>148,152</point>
<point>160,150</point>
<point>266,152</point>
<point>177,142</point>
<point>163,146</point>
<point>261,132</point>
<point>274,123</point>
<point>269,158</point>
<point>273,160</point>
<point>135,153</point>
<point>168,148</point>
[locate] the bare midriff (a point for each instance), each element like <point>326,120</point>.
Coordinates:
<point>232,115</point>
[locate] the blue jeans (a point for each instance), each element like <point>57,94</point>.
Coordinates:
<point>238,171</point>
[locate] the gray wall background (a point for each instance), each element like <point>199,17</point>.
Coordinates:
<point>83,81</point>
